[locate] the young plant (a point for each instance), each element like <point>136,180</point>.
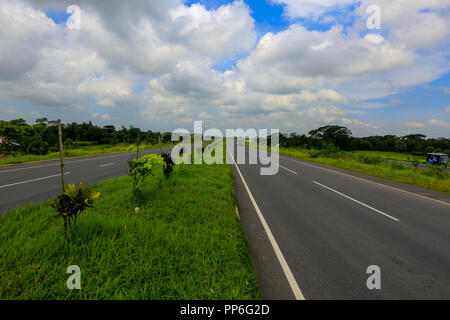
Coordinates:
<point>139,169</point>
<point>415,163</point>
<point>169,164</point>
<point>74,201</point>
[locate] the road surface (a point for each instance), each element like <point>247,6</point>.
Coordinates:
<point>330,226</point>
<point>326,226</point>
<point>37,182</point>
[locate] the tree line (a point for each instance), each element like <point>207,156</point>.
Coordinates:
<point>342,138</point>
<point>41,137</point>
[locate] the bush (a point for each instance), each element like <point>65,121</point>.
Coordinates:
<point>370,160</point>
<point>169,164</point>
<point>415,163</point>
<point>73,202</point>
<point>398,166</point>
<point>438,171</point>
<point>329,150</point>
<point>140,168</point>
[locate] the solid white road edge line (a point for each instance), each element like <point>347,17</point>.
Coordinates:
<point>17,183</point>
<point>287,271</point>
<point>363,204</point>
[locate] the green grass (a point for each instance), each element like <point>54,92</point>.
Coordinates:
<point>395,156</point>
<point>186,243</point>
<point>78,152</point>
<point>395,171</point>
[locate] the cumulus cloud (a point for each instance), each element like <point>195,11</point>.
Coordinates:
<point>440,123</point>
<point>414,125</point>
<point>157,58</point>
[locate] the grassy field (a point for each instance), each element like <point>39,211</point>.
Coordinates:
<point>78,152</point>
<point>397,172</point>
<point>186,243</point>
<point>395,156</point>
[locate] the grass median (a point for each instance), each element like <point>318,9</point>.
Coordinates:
<point>186,243</point>
<point>424,178</point>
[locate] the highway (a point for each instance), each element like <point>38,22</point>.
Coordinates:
<point>313,230</point>
<point>330,226</point>
<point>37,182</point>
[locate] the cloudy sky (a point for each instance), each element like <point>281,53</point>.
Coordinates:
<point>288,64</point>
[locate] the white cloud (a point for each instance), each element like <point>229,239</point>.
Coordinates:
<point>447,109</point>
<point>439,123</point>
<point>157,56</point>
<point>414,125</point>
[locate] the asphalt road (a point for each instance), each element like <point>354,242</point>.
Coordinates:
<point>37,182</point>
<point>330,226</point>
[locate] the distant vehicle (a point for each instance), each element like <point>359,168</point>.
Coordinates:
<point>437,159</point>
<point>5,141</point>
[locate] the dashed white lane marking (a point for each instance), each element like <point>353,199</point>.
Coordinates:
<point>282,167</point>
<point>32,180</point>
<point>287,271</point>
<point>366,180</point>
<point>70,161</point>
<point>107,165</point>
<point>359,202</point>
<point>288,170</point>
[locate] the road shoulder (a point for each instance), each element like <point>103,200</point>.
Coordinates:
<point>271,278</point>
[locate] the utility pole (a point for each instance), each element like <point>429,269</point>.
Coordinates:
<point>61,151</point>
<point>159,139</point>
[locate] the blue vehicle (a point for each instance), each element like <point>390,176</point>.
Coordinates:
<point>437,159</point>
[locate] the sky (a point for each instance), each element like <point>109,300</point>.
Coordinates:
<point>292,65</point>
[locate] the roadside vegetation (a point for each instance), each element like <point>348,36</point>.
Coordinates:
<point>177,238</point>
<point>390,145</point>
<point>22,142</point>
<point>377,156</point>
<point>435,178</point>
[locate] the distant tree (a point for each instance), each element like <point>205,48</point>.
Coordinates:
<point>400,146</point>
<point>42,121</point>
<point>337,135</point>
<point>415,137</point>
<point>18,122</point>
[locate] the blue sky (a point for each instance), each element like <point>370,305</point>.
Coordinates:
<point>417,101</point>
<point>309,73</point>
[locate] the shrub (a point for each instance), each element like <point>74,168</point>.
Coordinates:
<point>139,169</point>
<point>415,163</point>
<point>398,166</point>
<point>169,164</point>
<point>73,202</point>
<point>438,171</point>
<point>370,160</point>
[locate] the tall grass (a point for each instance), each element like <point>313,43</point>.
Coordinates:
<point>185,243</point>
<point>371,164</point>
